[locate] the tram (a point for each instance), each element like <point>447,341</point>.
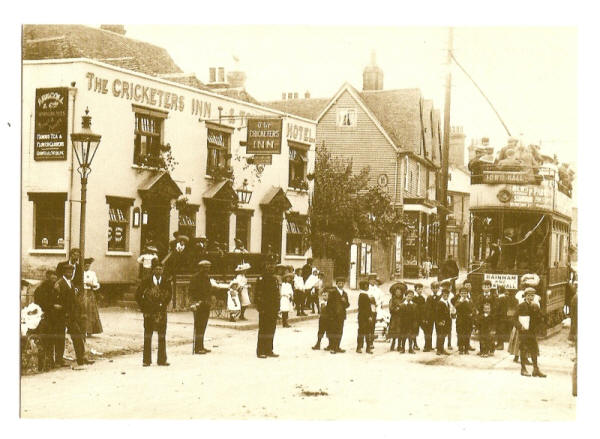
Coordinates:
<point>520,223</point>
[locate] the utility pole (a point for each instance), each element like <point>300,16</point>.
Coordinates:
<point>445,153</point>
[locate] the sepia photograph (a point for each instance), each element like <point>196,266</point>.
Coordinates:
<point>298,222</point>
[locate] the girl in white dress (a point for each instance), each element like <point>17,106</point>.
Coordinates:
<point>286,293</point>
<point>233,302</point>
<point>242,282</point>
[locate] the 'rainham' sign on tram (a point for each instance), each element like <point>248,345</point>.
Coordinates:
<point>264,136</point>
<point>51,109</point>
<point>509,281</point>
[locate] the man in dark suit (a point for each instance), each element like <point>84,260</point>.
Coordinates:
<point>153,295</point>
<point>450,271</point>
<point>44,297</point>
<point>67,314</point>
<point>337,303</point>
<point>200,290</point>
<point>366,318</point>
<point>77,281</point>
<point>267,304</point>
<point>443,321</point>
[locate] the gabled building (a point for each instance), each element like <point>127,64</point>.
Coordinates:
<point>396,133</point>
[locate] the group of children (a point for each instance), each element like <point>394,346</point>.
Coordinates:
<point>491,314</point>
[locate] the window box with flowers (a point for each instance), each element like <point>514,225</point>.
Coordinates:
<point>163,161</point>
<point>299,184</point>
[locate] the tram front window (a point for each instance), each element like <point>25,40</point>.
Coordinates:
<point>509,241</point>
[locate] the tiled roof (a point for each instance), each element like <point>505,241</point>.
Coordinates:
<point>78,41</point>
<point>239,94</point>
<point>307,108</point>
<point>398,113</point>
<point>188,79</point>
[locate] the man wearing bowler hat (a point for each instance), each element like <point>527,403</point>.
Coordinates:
<point>267,303</point>
<point>67,314</point>
<point>153,295</point>
<point>337,303</point>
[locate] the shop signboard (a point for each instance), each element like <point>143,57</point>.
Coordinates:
<point>509,281</point>
<point>51,121</point>
<point>264,136</point>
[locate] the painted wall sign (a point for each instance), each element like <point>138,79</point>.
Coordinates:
<point>299,133</point>
<point>264,136</point>
<point>382,180</point>
<point>51,117</point>
<point>498,177</point>
<point>509,281</point>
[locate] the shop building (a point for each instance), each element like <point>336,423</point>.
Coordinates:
<point>396,133</point>
<point>136,193</point>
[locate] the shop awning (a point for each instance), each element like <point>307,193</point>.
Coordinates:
<point>275,199</point>
<point>159,187</point>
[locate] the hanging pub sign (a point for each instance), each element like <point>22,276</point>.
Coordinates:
<point>262,159</point>
<point>264,136</point>
<point>51,110</point>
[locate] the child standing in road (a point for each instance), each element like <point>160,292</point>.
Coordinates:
<point>366,318</point>
<point>486,330</point>
<point>233,302</point>
<point>286,293</point>
<point>395,306</point>
<point>464,320</point>
<point>324,321</point>
<point>408,319</point>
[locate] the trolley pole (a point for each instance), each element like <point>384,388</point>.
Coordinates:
<point>445,153</point>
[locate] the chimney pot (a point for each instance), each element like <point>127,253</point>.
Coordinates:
<point>212,74</point>
<point>221,74</point>
<point>307,95</point>
<point>290,96</point>
<point>296,95</point>
<point>283,95</point>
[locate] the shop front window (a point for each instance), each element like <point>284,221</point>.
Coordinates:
<point>148,137</point>
<point>242,228</point>
<point>118,223</point>
<point>411,238</point>
<point>187,222</point>
<point>49,220</point>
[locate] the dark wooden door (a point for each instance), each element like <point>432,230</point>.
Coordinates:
<point>156,229</point>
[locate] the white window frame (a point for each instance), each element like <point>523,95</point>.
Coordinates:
<point>349,114</point>
<point>418,178</point>
<point>406,173</point>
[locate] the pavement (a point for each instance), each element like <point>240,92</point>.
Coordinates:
<point>303,384</point>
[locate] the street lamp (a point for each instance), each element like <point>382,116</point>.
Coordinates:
<point>85,145</point>
<point>244,194</point>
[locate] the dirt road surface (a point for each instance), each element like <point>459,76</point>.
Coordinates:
<point>302,384</point>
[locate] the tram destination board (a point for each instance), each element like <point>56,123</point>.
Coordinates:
<point>509,281</point>
<point>498,177</point>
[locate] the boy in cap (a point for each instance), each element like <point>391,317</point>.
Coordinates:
<point>443,320</point>
<point>464,320</point>
<point>502,322</point>
<point>337,303</point>
<point>408,323</point>
<point>446,284</point>
<point>485,322</point>
<point>366,318</point>
<point>419,300</point>
<point>324,322</point>
<point>528,322</point>
<point>428,316</point>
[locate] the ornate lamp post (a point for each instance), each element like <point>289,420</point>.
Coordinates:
<point>85,145</point>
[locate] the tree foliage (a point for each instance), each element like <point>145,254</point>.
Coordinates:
<point>344,206</point>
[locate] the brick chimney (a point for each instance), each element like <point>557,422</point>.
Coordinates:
<point>212,74</point>
<point>457,146</point>
<point>116,28</point>
<point>236,79</point>
<point>221,74</point>
<point>372,75</point>
<point>306,94</point>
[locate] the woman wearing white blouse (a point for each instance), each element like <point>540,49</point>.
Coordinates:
<point>242,283</point>
<point>90,286</point>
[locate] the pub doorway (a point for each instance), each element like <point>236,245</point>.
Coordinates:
<point>155,227</point>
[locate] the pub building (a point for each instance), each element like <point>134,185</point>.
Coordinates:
<point>172,158</point>
<point>396,133</point>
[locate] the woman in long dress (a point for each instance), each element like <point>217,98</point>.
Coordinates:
<point>90,286</point>
<point>286,294</point>
<point>242,283</point>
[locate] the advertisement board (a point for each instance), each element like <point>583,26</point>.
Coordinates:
<point>51,120</point>
<point>509,281</point>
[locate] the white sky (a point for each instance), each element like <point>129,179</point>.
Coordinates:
<point>529,73</point>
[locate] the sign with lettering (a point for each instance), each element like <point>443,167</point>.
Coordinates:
<point>299,133</point>
<point>217,138</point>
<point>263,159</point>
<point>536,197</point>
<point>51,117</point>
<point>264,136</point>
<point>509,281</point>
<point>499,177</point>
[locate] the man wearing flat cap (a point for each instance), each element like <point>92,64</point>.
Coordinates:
<point>200,291</point>
<point>337,303</point>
